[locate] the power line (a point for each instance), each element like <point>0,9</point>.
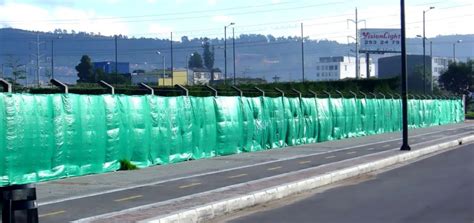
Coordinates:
<point>194,17</point>
<point>158,15</point>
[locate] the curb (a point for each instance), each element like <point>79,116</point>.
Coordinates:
<point>209,211</point>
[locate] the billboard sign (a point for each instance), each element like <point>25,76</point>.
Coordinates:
<point>380,40</point>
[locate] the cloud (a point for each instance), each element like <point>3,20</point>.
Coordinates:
<point>212,2</point>
<point>112,1</point>
<point>31,17</point>
<point>221,18</point>
<point>159,31</point>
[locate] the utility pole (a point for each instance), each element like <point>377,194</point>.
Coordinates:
<point>367,64</point>
<point>225,55</point>
<point>172,65</point>
<point>356,22</point>
<point>233,50</point>
<point>405,146</point>
<point>38,58</point>
<point>302,52</point>
<point>116,61</point>
<point>52,59</point>
<point>276,79</point>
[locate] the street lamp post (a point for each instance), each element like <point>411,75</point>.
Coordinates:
<point>164,68</point>
<point>225,51</point>
<point>233,50</point>
<point>424,51</point>
<point>52,56</point>
<point>454,50</point>
<point>431,56</point>
<point>405,145</point>
<point>187,67</point>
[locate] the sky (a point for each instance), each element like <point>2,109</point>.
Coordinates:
<point>322,19</point>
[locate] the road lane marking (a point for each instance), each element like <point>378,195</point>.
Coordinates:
<point>304,162</point>
<point>50,214</point>
<point>189,185</point>
<point>386,145</point>
<point>274,168</point>
<point>237,176</point>
<point>351,152</point>
<point>370,148</point>
<point>329,157</point>
<point>128,198</point>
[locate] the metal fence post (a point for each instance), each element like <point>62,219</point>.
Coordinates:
<point>258,89</point>
<point>281,92</point>
<point>152,91</point>
<point>60,85</point>
<point>314,93</point>
<point>108,86</point>
<point>186,91</point>
<point>212,89</point>
<point>298,92</point>
<point>238,90</point>
<point>7,87</point>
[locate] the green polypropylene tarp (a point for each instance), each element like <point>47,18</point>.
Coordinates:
<point>47,137</point>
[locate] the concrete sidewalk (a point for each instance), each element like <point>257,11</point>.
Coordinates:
<point>58,190</point>
<point>260,171</point>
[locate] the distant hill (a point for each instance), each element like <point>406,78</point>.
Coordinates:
<point>256,55</point>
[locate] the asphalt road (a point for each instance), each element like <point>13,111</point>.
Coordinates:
<point>120,200</point>
<point>437,189</point>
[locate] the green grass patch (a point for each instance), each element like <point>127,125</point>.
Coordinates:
<point>470,115</point>
<point>127,165</point>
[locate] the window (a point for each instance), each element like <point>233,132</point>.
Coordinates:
<point>335,67</point>
<point>345,67</point>
<point>317,67</point>
<point>317,74</point>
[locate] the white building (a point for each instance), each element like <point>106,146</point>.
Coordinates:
<point>438,66</point>
<point>341,67</point>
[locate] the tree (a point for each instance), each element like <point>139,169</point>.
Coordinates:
<point>85,70</point>
<point>185,39</point>
<point>459,79</point>
<point>208,55</point>
<point>195,61</point>
<point>18,69</point>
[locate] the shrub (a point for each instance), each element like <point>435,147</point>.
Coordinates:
<point>127,165</point>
